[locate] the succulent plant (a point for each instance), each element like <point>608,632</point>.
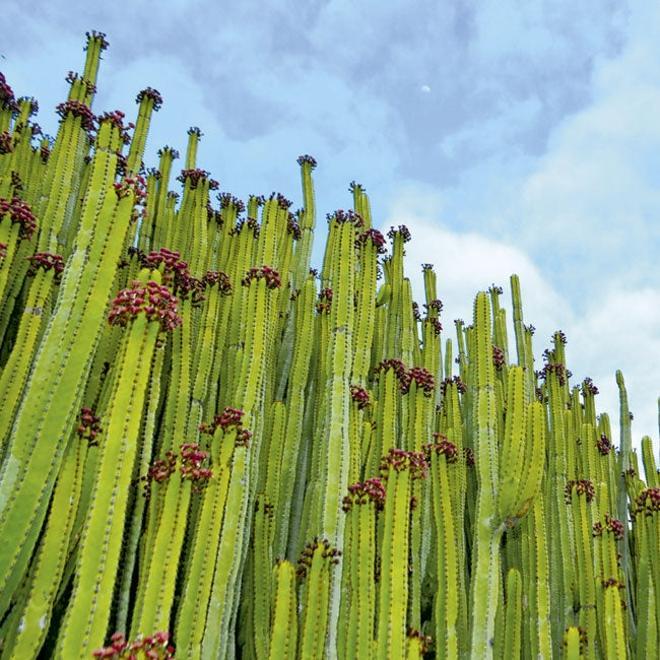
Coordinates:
<point>200,433</point>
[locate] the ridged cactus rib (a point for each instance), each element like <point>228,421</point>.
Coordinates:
<point>156,487</point>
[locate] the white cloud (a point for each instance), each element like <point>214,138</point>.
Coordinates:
<point>615,329</point>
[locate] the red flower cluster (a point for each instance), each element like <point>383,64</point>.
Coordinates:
<point>400,459</point>
<point>442,447</point>
<point>136,185</point>
<point>7,99</point>
<point>647,502</point>
<point>324,301</point>
<point>195,176</point>
<point>46,260</point>
<point>73,77</point>
<point>89,427</point>
<point>612,525</point>
<point>219,279</point>
<point>376,237</point>
<point>192,458</point>
<point>371,490</point>
<point>170,151</point>
<point>293,227</point>
<point>558,369</point>
<point>21,213</point>
<point>424,640</point>
<point>588,387</point>
<point>354,186</point>
<point>305,561</point>
<point>230,417</point>
<point>170,259</point>
<point>360,396</point>
<point>96,36</point>
<point>155,647</point>
<point>398,367</point>
<point>402,230</point>
<point>281,200</point>
<point>456,380</point>
<point>346,216</point>
<point>604,445</point>
<point>77,109</point>
<point>153,94</point>
<point>152,299</point>
<point>437,326</point>
<point>161,469</point>
<point>306,159</point>
<point>422,377</point>
<point>227,199</point>
<point>271,276</point>
<point>581,487</point>
<point>498,357</point>
<point>6,143</point>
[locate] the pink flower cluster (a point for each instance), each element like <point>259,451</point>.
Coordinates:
<point>581,487</point>
<point>604,445</point>
<point>271,276</point>
<point>219,279</point>
<point>612,525</point>
<point>342,216</point>
<point>230,417</point>
<point>400,459</point>
<point>324,302</point>
<point>152,299</point>
<point>153,94</point>
<point>47,261</point>
<point>155,647</point>
<point>305,561</point>
<point>422,377</point>
<point>455,380</point>
<point>7,98</point>
<point>402,230</point>
<point>227,199</point>
<point>131,184</point>
<point>21,213</point>
<point>371,490</point>
<point>306,159</point>
<point>293,227</point>
<point>442,447</point>
<point>648,502</point>
<point>360,396</point>
<point>192,458</point>
<point>89,427</point>
<point>77,109</point>
<point>6,143</point>
<point>376,238</point>
<point>195,176</point>
<point>498,357</point>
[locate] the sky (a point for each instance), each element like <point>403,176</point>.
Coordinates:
<point>509,136</point>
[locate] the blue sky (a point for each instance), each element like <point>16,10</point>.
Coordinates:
<point>509,136</point>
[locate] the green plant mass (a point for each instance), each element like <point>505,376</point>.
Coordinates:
<point>210,450</point>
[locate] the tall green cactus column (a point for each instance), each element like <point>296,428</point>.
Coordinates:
<point>399,468</point>
<point>147,308</point>
<point>52,397</point>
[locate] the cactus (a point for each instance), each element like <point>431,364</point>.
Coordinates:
<point>160,474</point>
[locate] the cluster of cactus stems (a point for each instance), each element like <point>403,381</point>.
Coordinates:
<point>210,450</point>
